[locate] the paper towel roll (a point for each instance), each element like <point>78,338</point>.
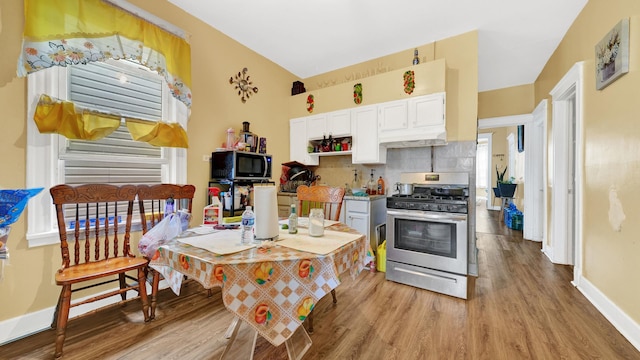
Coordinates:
<point>266,209</point>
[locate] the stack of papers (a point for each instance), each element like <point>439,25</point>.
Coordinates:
<point>221,242</point>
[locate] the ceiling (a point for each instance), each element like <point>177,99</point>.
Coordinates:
<point>308,38</point>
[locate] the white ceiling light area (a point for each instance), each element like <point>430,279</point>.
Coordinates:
<point>515,37</point>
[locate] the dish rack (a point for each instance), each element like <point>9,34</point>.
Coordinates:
<point>292,185</point>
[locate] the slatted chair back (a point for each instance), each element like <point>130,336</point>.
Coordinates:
<point>96,219</point>
<point>81,213</point>
<point>322,197</point>
<point>152,201</point>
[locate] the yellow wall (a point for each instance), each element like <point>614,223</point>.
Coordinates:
<point>611,150</point>
<point>460,54</point>
<point>29,277</point>
<point>514,100</point>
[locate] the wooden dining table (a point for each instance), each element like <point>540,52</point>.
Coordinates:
<point>273,286</point>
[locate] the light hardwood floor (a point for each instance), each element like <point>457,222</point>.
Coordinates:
<point>520,307</point>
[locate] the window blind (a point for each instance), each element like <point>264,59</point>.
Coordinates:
<point>126,90</point>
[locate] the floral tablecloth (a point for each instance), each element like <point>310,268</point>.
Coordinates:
<point>271,289</point>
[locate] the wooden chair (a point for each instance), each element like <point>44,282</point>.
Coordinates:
<point>100,248</point>
<point>321,197</point>
<point>154,197</point>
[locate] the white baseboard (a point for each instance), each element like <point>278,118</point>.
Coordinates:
<point>547,251</point>
<point>618,318</point>
<point>37,321</point>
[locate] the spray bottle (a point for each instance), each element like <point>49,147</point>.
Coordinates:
<point>212,214</point>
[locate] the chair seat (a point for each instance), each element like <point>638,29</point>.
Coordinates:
<point>98,269</point>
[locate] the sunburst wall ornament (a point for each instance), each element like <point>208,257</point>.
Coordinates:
<point>243,85</point>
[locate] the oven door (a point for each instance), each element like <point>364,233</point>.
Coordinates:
<point>428,239</point>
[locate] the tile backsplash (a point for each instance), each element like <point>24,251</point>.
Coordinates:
<point>455,156</point>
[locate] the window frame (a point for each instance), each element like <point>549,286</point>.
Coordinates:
<point>45,169</point>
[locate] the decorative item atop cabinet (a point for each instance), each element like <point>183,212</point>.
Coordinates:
<point>297,88</point>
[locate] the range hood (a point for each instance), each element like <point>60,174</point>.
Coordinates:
<point>435,137</point>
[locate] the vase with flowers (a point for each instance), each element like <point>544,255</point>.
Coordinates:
<point>607,54</point>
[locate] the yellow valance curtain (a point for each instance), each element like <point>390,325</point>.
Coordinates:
<point>158,134</point>
<point>71,32</point>
<point>54,116</point>
<point>61,117</point>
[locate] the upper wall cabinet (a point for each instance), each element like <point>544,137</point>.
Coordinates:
<point>298,142</point>
<point>392,115</point>
<point>366,148</point>
<point>417,121</point>
<point>335,123</point>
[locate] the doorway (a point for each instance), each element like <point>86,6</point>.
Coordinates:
<point>483,169</point>
<point>566,177</point>
<point>535,163</point>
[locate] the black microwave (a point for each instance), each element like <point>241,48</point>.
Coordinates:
<point>240,165</point>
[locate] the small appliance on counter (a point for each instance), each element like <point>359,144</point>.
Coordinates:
<point>295,174</point>
<point>235,173</point>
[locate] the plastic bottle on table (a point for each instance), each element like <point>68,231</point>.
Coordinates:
<point>248,222</point>
<point>293,220</point>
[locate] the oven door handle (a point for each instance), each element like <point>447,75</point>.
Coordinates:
<point>415,215</point>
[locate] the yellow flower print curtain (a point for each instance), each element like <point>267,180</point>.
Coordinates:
<point>71,32</point>
<point>62,117</point>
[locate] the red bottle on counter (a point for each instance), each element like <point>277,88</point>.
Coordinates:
<point>380,186</point>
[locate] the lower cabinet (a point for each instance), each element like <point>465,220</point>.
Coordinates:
<point>284,203</point>
<point>364,215</point>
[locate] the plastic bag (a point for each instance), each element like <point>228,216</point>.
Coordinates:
<point>170,227</point>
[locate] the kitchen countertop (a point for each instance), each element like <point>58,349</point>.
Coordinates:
<point>364,198</point>
<point>346,197</point>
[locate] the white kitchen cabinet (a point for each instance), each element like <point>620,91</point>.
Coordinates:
<point>426,112</point>
<point>365,214</point>
<point>420,118</point>
<point>366,148</point>
<point>335,123</point>
<point>392,115</point>
<point>339,123</point>
<point>298,142</point>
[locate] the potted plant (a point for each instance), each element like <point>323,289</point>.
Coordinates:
<point>499,180</point>
<point>506,187</point>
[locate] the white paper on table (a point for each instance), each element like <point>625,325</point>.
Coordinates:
<point>322,245</point>
<point>222,242</point>
<point>304,222</point>
<point>201,230</point>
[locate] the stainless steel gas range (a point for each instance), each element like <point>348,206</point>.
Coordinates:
<point>427,233</point>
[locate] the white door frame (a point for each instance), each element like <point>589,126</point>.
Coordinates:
<point>504,121</point>
<point>561,251</point>
<point>535,144</point>
<point>489,138</point>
